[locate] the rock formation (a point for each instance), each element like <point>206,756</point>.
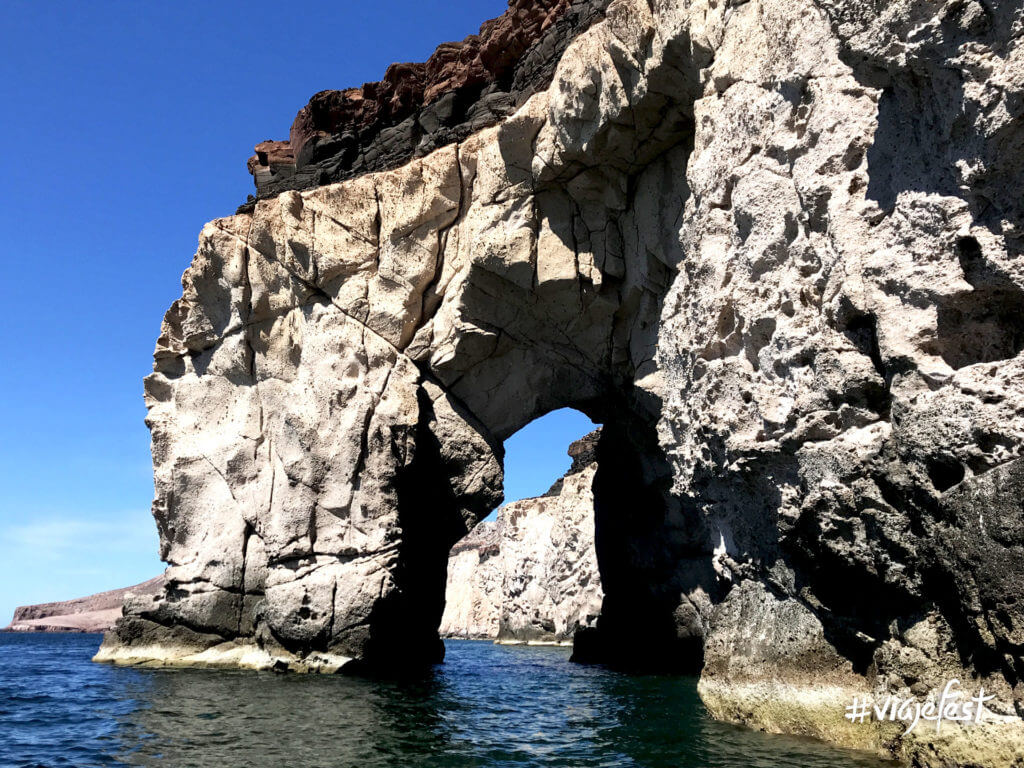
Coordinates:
<point>417,108</point>
<point>530,576</point>
<point>475,591</point>
<point>774,247</point>
<point>95,613</point>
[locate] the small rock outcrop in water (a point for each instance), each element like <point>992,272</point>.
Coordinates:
<point>774,247</point>
<point>95,613</point>
<point>530,575</point>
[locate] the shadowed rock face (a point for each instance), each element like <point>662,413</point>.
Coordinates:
<point>774,248</point>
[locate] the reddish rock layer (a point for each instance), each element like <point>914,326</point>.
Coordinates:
<point>477,61</point>
<point>337,127</point>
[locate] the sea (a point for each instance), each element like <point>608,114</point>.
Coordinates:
<point>488,705</point>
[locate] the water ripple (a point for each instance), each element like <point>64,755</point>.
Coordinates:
<point>488,706</point>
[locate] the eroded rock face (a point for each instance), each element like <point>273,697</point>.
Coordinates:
<point>552,585</point>
<point>842,372</point>
<point>774,247</point>
<point>531,575</point>
<point>474,594</point>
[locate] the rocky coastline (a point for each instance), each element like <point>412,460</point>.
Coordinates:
<point>95,613</point>
<point>530,576</point>
<point>774,248</point>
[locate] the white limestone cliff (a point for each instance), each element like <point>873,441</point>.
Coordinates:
<point>531,575</point>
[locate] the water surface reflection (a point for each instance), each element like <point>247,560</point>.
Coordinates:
<point>487,705</point>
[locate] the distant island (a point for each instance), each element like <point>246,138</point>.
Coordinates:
<point>95,613</point>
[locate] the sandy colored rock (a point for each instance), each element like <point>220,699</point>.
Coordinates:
<point>95,613</point>
<point>475,589</point>
<point>531,575</point>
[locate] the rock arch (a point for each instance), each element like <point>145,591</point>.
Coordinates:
<point>332,390</point>
<point>682,230</point>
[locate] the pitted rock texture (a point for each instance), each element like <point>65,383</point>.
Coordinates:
<point>531,575</point>
<point>843,393</point>
<point>773,247</point>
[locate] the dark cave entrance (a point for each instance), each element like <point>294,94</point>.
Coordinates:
<point>649,555</point>
<point>646,548</point>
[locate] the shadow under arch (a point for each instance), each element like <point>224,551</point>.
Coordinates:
<point>574,324</point>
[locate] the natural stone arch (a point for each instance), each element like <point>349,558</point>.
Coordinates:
<point>771,332</point>
<point>333,387</point>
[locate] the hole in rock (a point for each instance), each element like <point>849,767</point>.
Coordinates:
<point>945,472</point>
<point>985,324</point>
<point>528,571</point>
<point>578,554</point>
<point>537,456</point>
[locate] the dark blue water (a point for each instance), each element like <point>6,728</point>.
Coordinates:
<point>488,705</point>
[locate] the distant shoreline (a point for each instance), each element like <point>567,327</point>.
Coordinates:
<point>93,614</point>
<point>55,631</point>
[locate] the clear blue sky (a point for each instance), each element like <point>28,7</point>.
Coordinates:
<point>537,455</point>
<point>126,126</point>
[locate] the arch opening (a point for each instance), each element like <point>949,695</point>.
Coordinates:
<point>395,330</point>
<point>585,562</point>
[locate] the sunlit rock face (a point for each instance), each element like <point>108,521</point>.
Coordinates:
<point>552,587</point>
<point>774,247</point>
<point>531,575</point>
<point>474,593</point>
<point>332,389</point>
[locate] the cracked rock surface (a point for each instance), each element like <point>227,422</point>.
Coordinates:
<point>773,247</point>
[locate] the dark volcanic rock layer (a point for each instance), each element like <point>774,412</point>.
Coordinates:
<point>773,247</point>
<point>417,108</point>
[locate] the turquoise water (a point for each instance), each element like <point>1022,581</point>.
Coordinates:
<point>487,705</point>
